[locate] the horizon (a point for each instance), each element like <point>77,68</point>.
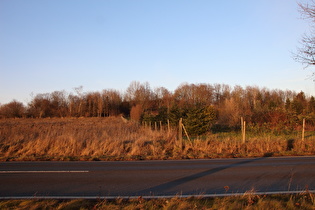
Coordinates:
<point>123,93</point>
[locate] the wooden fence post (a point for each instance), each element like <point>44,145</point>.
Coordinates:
<point>168,128</point>
<point>186,133</point>
<point>244,132</point>
<point>242,124</point>
<point>243,128</point>
<point>180,132</point>
<point>303,129</point>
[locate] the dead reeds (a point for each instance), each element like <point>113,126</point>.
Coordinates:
<point>246,201</point>
<point>112,139</point>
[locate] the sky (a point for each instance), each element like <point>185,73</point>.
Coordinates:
<point>56,45</point>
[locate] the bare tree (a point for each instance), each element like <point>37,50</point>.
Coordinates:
<point>194,94</point>
<point>112,100</point>
<point>12,110</point>
<point>306,52</point>
<point>138,93</point>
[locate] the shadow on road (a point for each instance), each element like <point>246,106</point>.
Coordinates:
<point>166,186</point>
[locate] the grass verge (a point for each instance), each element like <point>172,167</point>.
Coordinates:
<point>247,201</point>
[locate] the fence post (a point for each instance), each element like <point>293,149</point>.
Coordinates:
<point>186,133</point>
<point>244,132</point>
<point>161,126</point>
<point>155,125</point>
<point>168,128</point>
<point>303,130</point>
<point>242,124</point>
<point>243,128</point>
<point>180,132</point>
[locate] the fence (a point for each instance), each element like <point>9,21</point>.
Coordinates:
<point>158,126</point>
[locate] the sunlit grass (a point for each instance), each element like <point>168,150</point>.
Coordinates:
<point>246,201</point>
<point>112,139</point>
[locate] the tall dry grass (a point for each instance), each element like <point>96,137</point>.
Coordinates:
<point>112,139</point>
<point>246,201</point>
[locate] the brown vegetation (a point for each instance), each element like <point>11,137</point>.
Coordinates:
<point>259,106</point>
<point>247,201</point>
<point>112,139</point>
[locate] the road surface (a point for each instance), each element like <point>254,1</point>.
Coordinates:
<point>156,178</point>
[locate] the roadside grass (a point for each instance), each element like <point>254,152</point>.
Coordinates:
<point>246,201</point>
<point>92,139</point>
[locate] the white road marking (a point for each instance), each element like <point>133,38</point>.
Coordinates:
<point>159,196</point>
<point>15,172</point>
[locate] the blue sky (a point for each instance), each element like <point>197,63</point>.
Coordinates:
<point>101,44</point>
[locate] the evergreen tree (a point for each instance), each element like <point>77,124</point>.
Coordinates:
<point>200,120</point>
<point>311,105</point>
<point>175,114</point>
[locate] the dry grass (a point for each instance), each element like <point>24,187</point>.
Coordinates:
<point>247,201</point>
<point>112,139</point>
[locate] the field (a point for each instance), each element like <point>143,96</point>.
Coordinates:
<point>111,138</point>
<point>93,139</point>
<point>247,201</point>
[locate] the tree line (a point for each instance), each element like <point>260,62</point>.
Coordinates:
<point>202,106</point>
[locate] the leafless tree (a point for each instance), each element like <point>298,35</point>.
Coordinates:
<point>112,100</point>
<point>139,93</point>
<point>12,110</point>
<point>306,52</point>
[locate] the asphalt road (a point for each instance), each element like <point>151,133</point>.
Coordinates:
<point>156,178</point>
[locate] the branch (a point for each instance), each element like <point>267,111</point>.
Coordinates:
<point>306,53</point>
<point>308,10</point>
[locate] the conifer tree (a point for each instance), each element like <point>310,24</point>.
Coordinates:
<point>200,120</point>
